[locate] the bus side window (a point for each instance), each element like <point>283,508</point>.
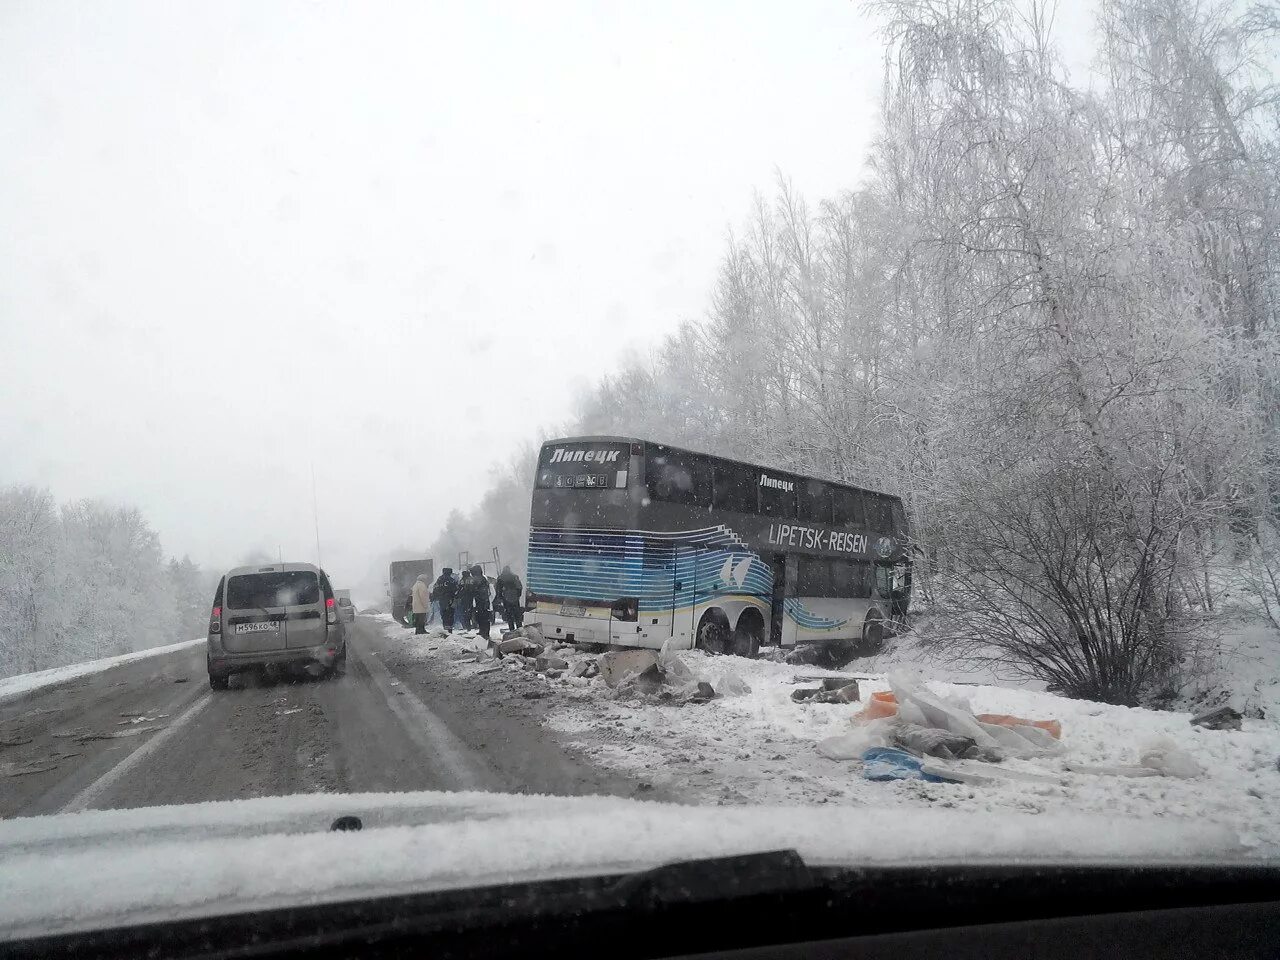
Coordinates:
<point>815,501</point>
<point>849,579</point>
<point>847,508</point>
<point>861,578</point>
<point>813,577</point>
<point>879,516</point>
<point>735,488</point>
<point>674,477</point>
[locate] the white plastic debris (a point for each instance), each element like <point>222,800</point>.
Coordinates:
<point>851,745</point>
<point>1164,756</point>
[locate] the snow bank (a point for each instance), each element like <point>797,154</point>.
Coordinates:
<point>761,747</point>
<point>104,867</point>
<point>26,682</point>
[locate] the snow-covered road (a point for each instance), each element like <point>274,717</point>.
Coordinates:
<point>149,731</point>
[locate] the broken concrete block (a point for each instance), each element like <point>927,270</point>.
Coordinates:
<point>533,631</point>
<point>647,681</point>
<point>1219,718</point>
<point>580,668</point>
<point>551,663</point>
<point>619,664</point>
<point>512,645</point>
<point>700,692</point>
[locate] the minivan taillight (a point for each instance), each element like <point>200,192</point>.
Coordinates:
<point>215,620</point>
<point>627,608</point>
<point>330,614</point>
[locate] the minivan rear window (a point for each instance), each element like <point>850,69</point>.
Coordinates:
<point>283,588</point>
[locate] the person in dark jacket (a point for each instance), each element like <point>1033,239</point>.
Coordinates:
<point>478,587</point>
<point>507,598</point>
<point>445,592</point>
<point>465,611</point>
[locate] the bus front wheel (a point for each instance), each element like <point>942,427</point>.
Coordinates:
<point>872,638</point>
<point>713,633</point>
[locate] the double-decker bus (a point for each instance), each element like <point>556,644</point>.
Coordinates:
<point>637,543</point>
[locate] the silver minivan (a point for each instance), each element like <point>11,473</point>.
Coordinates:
<point>275,616</point>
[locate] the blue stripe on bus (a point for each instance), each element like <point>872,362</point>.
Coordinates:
<point>607,564</point>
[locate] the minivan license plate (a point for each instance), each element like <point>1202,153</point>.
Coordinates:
<point>570,610</point>
<point>265,627</point>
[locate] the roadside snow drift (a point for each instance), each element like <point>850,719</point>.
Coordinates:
<point>26,682</point>
<point>760,747</point>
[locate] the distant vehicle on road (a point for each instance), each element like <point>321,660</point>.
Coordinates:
<point>346,609</point>
<point>400,583</point>
<point>637,543</point>
<point>280,615</point>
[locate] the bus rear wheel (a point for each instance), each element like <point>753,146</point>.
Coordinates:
<point>713,633</point>
<point>747,635</point>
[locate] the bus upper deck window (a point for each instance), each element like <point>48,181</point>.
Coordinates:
<point>847,508</point>
<point>735,488</point>
<point>815,501</point>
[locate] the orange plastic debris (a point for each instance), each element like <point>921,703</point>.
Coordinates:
<point>882,704</point>
<point>1003,719</point>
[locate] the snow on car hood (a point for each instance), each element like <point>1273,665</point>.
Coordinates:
<point>104,868</point>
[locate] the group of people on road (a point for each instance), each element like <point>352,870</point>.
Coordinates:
<point>467,600</point>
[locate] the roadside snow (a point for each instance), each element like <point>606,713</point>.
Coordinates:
<point>98,868</point>
<point>759,748</point>
<point>26,682</point>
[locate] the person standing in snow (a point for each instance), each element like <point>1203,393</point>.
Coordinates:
<point>478,588</point>
<point>445,593</point>
<point>507,597</point>
<point>465,610</point>
<point>421,602</point>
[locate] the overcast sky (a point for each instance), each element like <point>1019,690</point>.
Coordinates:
<point>387,240</point>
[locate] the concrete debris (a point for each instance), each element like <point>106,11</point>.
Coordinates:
<point>830,692</point>
<point>533,631</point>
<point>647,681</point>
<point>543,664</point>
<point>1219,718</point>
<point>620,664</point>
<point>729,684</point>
<point>519,645</point>
<point>584,668</point>
<point>701,693</point>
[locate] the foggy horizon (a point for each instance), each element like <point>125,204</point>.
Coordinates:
<point>248,240</point>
